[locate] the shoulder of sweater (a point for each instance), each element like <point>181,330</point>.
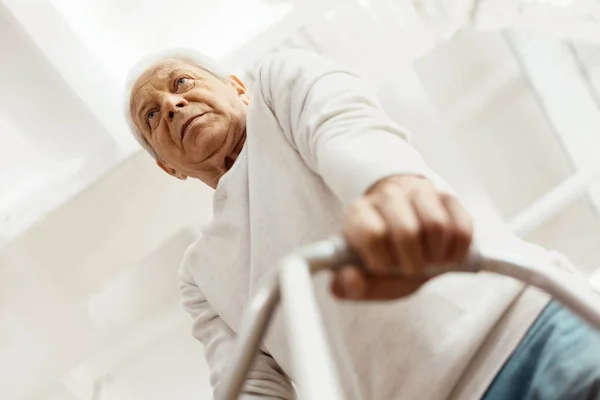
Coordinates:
<point>282,60</point>
<point>295,69</point>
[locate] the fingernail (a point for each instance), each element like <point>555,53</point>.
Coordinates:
<point>352,290</point>
<point>350,284</point>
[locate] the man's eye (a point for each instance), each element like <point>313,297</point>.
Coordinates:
<point>181,82</point>
<point>151,115</point>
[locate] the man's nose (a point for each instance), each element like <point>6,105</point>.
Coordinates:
<point>173,104</point>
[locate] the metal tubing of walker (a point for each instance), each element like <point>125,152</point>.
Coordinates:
<point>312,361</point>
<point>570,289</point>
<point>313,365</point>
<point>300,304</point>
<point>256,321</point>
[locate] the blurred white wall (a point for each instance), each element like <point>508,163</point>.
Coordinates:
<point>141,26</point>
<point>495,117</point>
<point>49,142</point>
<point>505,135</point>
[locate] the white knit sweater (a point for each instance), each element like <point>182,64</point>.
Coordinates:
<point>316,139</point>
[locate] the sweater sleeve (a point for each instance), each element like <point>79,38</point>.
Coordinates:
<point>265,380</point>
<point>335,122</point>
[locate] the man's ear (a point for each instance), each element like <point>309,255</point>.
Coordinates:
<point>241,89</point>
<point>170,170</point>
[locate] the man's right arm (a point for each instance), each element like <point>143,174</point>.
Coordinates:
<point>265,379</point>
<point>401,217</point>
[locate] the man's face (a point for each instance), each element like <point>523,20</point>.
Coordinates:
<point>194,121</point>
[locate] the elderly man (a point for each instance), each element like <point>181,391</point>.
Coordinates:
<point>309,153</point>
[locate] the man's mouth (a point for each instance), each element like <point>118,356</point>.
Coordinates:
<point>187,124</point>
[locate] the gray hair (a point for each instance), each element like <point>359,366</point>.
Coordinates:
<point>189,55</point>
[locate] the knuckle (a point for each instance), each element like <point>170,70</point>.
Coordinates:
<point>372,234</point>
<point>424,190</point>
<point>464,229</point>
<point>349,230</point>
<point>390,190</point>
<point>407,235</point>
<point>354,214</point>
<point>447,198</point>
<point>462,237</point>
<point>435,226</point>
<point>391,193</point>
<point>356,207</point>
<point>360,229</point>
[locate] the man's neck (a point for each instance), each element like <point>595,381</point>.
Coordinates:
<point>237,149</point>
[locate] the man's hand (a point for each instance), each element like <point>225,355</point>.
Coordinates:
<point>402,224</point>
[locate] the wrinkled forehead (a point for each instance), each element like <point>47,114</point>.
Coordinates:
<point>158,77</point>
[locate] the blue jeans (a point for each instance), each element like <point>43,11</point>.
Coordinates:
<point>559,358</point>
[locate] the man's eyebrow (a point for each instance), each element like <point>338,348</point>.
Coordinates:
<point>180,70</point>
<point>139,106</point>
<point>138,111</point>
<point>174,73</point>
<point>141,102</point>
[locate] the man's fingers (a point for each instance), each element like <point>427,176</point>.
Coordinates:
<point>349,283</point>
<point>403,221</point>
<point>462,229</point>
<point>352,284</point>
<point>366,233</point>
<point>404,231</point>
<point>434,221</point>
<point>391,288</point>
